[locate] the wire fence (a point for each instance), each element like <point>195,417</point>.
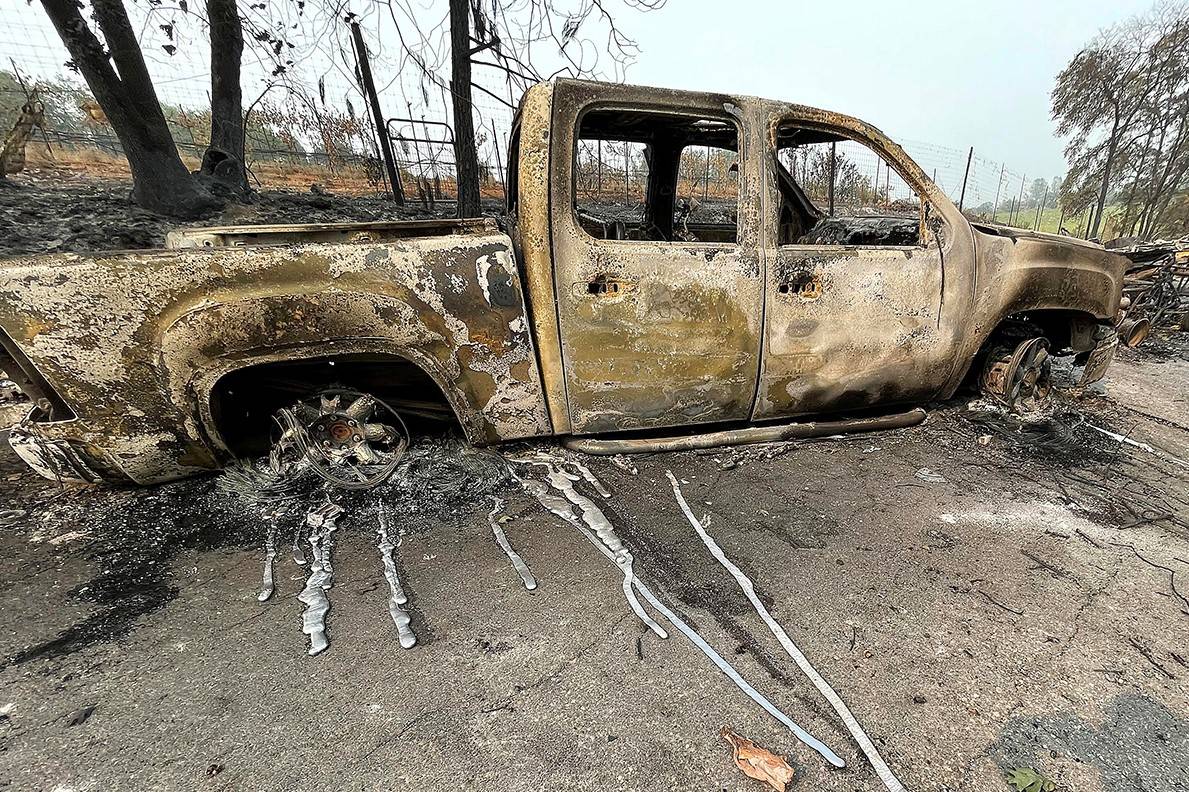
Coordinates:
<point>312,126</point>
<point>308,125</point>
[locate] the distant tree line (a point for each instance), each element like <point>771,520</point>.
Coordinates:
<point>1123,104</point>
<point>271,129</point>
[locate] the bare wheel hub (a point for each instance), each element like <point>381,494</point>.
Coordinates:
<point>1020,375</point>
<point>350,439</point>
<point>336,430</point>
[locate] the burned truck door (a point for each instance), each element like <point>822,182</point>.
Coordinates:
<point>854,281</point>
<point>657,271</point>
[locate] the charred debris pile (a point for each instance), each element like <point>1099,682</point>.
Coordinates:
<point>1155,288</point>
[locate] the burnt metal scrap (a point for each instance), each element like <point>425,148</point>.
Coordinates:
<point>1155,288</point>
<point>145,366</point>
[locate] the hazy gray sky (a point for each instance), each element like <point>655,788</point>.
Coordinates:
<point>950,72</point>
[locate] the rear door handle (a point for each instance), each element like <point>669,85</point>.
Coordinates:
<point>805,285</point>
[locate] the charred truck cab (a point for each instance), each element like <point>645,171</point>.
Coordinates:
<point>762,262</point>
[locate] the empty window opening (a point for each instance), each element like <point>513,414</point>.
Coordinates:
<point>657,177</point>
<point>837,191</point>
<point>244,401</point>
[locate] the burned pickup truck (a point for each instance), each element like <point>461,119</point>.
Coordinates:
<point>821,274</point>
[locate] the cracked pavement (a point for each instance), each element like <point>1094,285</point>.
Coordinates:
<point>1025,611</point>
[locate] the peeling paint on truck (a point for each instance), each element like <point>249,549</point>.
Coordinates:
<point>546,329</point>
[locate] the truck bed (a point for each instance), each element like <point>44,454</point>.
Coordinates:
<point>286,234</point>
<point>136,343</point>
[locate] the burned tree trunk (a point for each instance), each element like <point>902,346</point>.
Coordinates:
<point>224,158</point>
<point>123,88</point>
<point>1104,188</point>
<point>466,159</point>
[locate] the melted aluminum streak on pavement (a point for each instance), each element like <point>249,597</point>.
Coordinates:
<point>562,509</point>
<point>548,460</point>
<point>270,553</point>
<point>869,750</point>
<point>522,569</point>
<point>396,594</point>
<point>313,619</point>
<point>590,478</point>
<point>593,516</point>
<point>299,556</point>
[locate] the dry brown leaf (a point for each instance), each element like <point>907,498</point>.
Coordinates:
<point>758,763</point>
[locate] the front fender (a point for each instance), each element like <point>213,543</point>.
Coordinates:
<point>1029,271</point>
<point>1018,272</point>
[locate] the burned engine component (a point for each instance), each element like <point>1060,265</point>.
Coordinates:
<point>1133,332</point>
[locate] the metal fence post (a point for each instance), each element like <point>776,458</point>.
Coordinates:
<point>599,167</point>
<point>369,88</point>
<point>998,188</point>
<point>962,196</point>
<point>833,164</point>
<point>627,159</point>
<point>706,184</point>
<point>1043,201</point>
<point>1020,201</point>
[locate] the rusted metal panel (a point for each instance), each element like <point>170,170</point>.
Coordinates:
<point>306,233</point>
<point>866,334</point>
<point>134,342</point>
<point>536,246</point>
<point>679,343</point>
<point>852,327</point>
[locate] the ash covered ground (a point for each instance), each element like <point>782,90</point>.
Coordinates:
<point>986,593</point>
<point>43,216</point>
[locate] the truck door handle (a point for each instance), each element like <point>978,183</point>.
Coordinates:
<point>606,285</point>
<point>805,285</point>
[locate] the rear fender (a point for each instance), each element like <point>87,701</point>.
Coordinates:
<point>206,344</point>
<point>134,341</point>
<point>474,346</point>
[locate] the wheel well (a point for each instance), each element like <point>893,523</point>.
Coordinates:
<point>1067,331</point>
<point>243,401</point>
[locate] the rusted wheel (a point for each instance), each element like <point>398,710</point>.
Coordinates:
<point>1019,376</point>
